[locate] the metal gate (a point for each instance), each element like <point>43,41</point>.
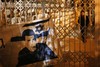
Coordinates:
<point>64,20</point>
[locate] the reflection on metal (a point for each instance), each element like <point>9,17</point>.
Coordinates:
<point>65,38</point>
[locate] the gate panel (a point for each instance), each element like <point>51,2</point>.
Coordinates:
<point>73,47</point>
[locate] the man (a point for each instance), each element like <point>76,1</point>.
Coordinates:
<point>84,22</point>
<point>33,52</point>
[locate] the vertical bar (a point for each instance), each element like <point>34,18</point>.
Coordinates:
<point>85,33</point>
<point>74,50</point>
<point>10,12</point>
<point>25,10</point>
<point>5,12</point>
<point>69,35</point>
<point>80,40</point>
<point>64,40</point>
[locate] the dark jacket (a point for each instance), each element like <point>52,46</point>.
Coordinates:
<point>42,52</point>
<point>82,21</point>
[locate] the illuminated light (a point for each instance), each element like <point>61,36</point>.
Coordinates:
<point>47,10</point>
<point>33,10</point>
<point>47,5</point>
<point>34,4</point>
<point>52,5</point>
<point>53,20</point>
<point>29,11</point>
<point>62,5</point>
<point>39,5</point>
<point>63,1</point>
<point>57,5</point>
<point>61,43</point>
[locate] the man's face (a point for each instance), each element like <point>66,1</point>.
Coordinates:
<point>29,42</point>
<point>83,13</point>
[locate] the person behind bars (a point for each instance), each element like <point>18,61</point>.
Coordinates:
<point>84,22</point>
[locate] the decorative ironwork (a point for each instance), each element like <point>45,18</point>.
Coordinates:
<point>75,56</point>
<point>64,22</point>
<point>19,5</point>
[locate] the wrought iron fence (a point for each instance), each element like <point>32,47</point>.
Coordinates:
<point>67,41</point>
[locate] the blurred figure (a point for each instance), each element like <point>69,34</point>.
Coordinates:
<point>84,23</point>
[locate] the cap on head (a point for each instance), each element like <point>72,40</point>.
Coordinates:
<point>28,32</point>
